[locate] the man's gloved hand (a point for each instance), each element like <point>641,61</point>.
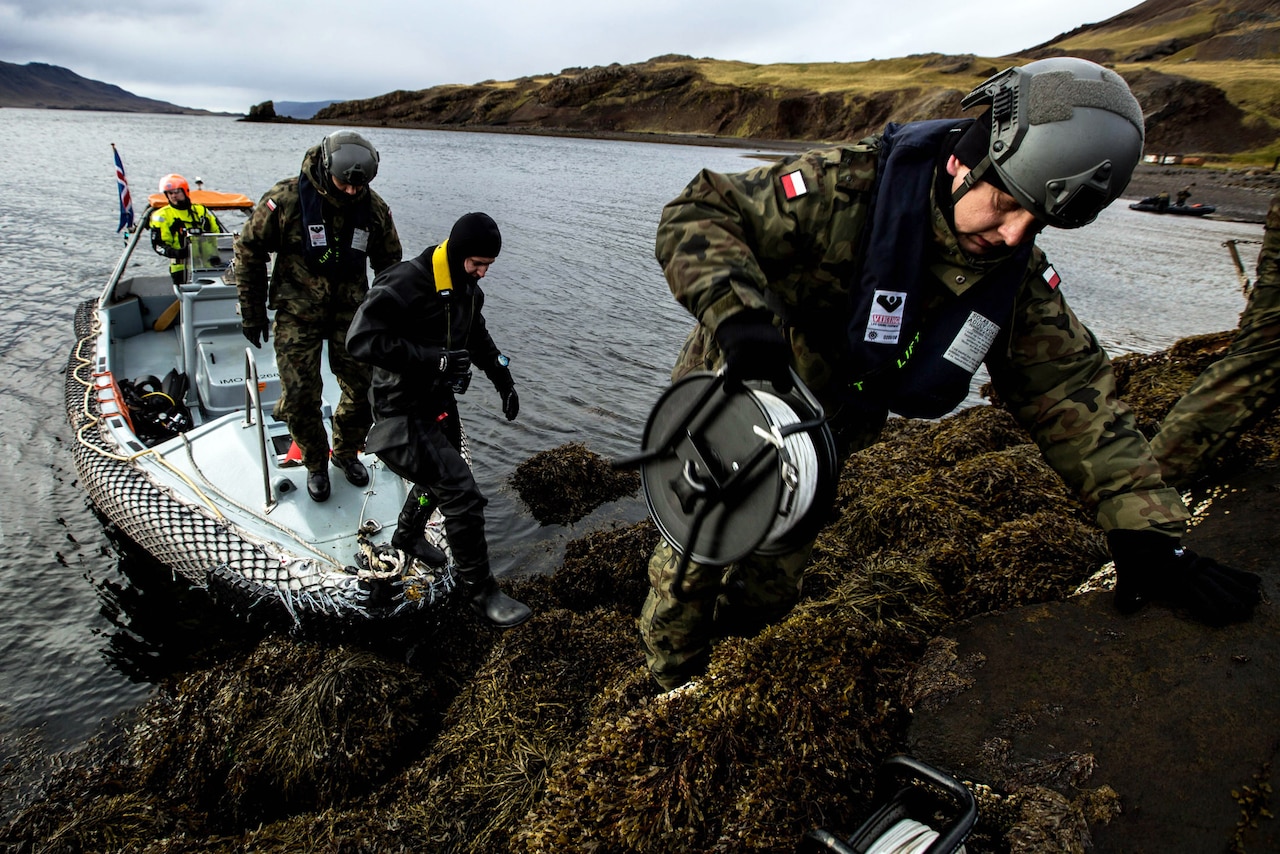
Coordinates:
<point>454,363</point>
<point>257,334</point>
<point>1151,567</point>
<point>754,349</point>
<point>510,403</point>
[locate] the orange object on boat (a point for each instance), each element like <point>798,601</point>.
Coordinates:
<point>208,198</point>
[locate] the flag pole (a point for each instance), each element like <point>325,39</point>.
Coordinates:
<point>126,200</point>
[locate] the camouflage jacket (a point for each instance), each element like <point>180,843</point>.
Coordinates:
<point>1269,258</point>
<point>277,226</point>
<point>749,240</point>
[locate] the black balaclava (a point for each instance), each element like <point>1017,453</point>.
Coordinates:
<point>474,235</point>
<point>974,144</point>
<point>969,147</point>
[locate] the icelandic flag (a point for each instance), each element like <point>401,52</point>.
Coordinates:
<point>126,201</point>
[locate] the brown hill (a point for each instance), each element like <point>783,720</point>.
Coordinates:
<point>1204,71</point>
<point>41,86</point>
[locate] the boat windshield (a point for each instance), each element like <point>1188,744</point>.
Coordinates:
<point>211,255</point>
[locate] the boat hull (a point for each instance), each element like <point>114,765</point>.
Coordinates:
<point>193,522</point>
<point>1175,210</point>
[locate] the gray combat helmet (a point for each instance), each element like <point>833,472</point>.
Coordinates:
<point>349,157</point>
<point>1066,135</point>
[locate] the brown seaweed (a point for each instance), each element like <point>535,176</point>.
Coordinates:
<point>551,737</point>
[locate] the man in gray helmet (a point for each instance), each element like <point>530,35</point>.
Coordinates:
<point>326,228</point>
<point>884,273</point>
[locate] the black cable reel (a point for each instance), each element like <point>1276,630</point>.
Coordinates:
<point>922,810</point>
<point>730,469</point>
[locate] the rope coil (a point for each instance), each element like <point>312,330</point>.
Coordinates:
<point>906,837</point>
<point>799,451</point>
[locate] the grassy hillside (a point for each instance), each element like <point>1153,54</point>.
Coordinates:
<point>1207,73</point>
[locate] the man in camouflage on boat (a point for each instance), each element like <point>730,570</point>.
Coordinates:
<point>1238,390</point>
<point>884,273</point>
<point>326,227</point>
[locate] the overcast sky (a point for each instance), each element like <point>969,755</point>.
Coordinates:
<point>230,55</point>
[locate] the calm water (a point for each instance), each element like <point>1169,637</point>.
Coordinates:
<point>576,298</point>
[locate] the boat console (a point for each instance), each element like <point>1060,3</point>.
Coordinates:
<point>213,345</point>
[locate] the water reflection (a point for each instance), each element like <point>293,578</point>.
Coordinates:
<point>159,624</point>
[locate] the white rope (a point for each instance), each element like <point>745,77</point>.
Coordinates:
<point>804,456</point>
<point>906,837</point>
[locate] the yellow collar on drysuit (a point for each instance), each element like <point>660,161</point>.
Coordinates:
<point>440,267</point>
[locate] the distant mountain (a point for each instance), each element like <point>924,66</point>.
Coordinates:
<point>1205,71</point>
<point>301,109</point>
<point>52,87</point>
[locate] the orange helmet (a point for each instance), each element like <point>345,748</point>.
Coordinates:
<point>174,182</point>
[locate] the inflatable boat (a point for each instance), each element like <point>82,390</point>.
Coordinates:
<point>176,447</point>
<point>1180,210</point>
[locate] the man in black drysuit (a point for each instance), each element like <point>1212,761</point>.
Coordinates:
<point>422,330</point>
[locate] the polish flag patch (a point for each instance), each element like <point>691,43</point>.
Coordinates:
<point>1051,277</point>
<point>271,204</point>
<point>793,185</point>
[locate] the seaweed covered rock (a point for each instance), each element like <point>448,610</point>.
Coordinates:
<point>552,736</point>
<point>602,569</point>
<point>564,484</point>
<point>523,710</point>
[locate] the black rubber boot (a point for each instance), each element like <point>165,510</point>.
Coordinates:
<point>318,485</point>
<point>410,534</point>
<point>488,600</point>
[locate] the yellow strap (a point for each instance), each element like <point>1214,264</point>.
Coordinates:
<point>166,318</point>
<point>440,266</point>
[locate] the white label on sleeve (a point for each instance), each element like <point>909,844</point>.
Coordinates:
<point>972,343</point>
<point>360,240</point>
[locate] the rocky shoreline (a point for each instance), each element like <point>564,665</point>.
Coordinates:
<point>1240,195</point>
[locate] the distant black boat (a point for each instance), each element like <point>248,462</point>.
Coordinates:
<point>1183,210</point>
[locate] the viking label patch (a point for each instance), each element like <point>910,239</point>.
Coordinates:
<point>884,325</point>
<point>972,343</point>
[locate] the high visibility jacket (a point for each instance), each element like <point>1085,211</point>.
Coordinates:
<point>169,227</point>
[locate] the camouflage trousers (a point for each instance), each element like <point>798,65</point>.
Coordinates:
<point>1235,392</point>
<point>1231,396</point>
<point>299,345</point>
<point>678,627</point>
<point>677,631</point>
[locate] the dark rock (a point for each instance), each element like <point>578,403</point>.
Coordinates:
<point>1177,718</point>
<point>264,112</point>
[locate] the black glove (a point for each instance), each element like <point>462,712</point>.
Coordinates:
<point>1151,567</point>
<point>510,403</point>
<point>754,349</point>
<point>454,363</point>
<point>257,334</point>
